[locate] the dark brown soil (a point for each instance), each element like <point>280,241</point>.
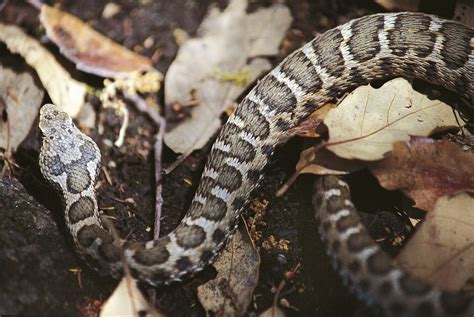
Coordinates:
<point>316,289</point>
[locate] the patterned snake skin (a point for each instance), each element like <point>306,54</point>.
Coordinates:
<point>411,45</point>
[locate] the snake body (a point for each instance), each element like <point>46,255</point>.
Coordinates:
<point>411,45</point>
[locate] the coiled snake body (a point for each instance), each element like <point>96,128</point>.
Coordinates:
<point>410,45</point>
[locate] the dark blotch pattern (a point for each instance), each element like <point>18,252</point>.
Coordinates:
<point>190,236</point>
<point>455,304</point>
<point>379,263</point>
<point>229,178</point>
<point>110,252</point>
<point>257,124</point>
<point>218,236</point>
<point>253,176</point>
<point>183,264</point>
<point>358,241</point>
<point>326,47</point>
<point>385,289</point>
<point>349,221</point>
<point>214,209</point>
<point>238,203</point>
<point>276,95</point>
<point>456,48</point>
<point>412,286</point>
<point>354,267</point>
<point>364,43</point>
<point>300,69</point>
<point>336,245</point>
<point>364,285</point>
<point>78,178</point>
<point>411,32</point>
<point>156,255</point>
<point>206,256</point>
<point>81,209</point>
<point>424,309</point>
<point>89,233</point>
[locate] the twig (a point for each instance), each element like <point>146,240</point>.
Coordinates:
<point>3,5</point>
<point>282,284</point>
<point>158,148</point>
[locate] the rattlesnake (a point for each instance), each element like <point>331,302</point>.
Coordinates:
<point>411,45</point>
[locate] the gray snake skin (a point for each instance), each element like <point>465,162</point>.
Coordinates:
<point>410,45</point>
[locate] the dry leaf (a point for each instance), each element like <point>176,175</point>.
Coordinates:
<point>464,12</point>
<point>426,170</point>
<point>442,249</point>
<point>311,126</point>
<point>319,161</point>
<point>91,51</point>
<point>273,311</point>
<point>22,99</point>
<point>227,40</point>
<point>404,5</point>
<point>64,91</point>
<point>127,300</point>
<point>230,293</point>
<point>369,120</point>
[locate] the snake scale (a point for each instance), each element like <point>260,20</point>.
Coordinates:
<point>410,45</point>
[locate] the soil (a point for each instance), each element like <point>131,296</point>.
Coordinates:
<point>316,290</point>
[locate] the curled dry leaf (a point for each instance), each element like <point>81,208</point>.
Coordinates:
<point>127,300</point>
<point>227,41</point>
<point>442,249</point>
<point>426,170</point>
<point>64,91</point>
<point>405,5</point>
<point>312,126</point>
<point>380,117</point>
<point>230,293</point>
<point>319,161</point>
<point>91,51</point>
<point>20,99</point>
<point>273,311</point>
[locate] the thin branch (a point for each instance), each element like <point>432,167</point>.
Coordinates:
<point>158,149</point>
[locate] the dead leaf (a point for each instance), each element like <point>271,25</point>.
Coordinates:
<point>404,5</point>
<point>127,300</point>
<point>21,99</point>
<point>227,40</point>
<point>319,161</point>
<point>230,293</point>
<point>442,250</point>
<point>273,311</point>
<point>368,121</point>
<point>464,12</point>
<point>426,170</point>
<point>312,125</point>
<point>64,91</point>
<point>91,51</point>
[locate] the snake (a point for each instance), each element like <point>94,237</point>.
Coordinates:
<point>373,47</point>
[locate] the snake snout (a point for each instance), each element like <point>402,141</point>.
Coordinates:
<point>53,119</point>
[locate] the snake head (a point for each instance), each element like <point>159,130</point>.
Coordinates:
<point>52,120</point>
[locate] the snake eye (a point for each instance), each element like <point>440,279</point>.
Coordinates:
<point>51,137</point>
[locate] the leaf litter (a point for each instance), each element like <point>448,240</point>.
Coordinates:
<point>231,291</point>
<point>428,171</point>
<point>21,99</point>
<point>64,91</point>
<point>442,249</point>
<point>425,170</point>
<point>91,51</point>
<point>380,117</point>
<point>227,41</point>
